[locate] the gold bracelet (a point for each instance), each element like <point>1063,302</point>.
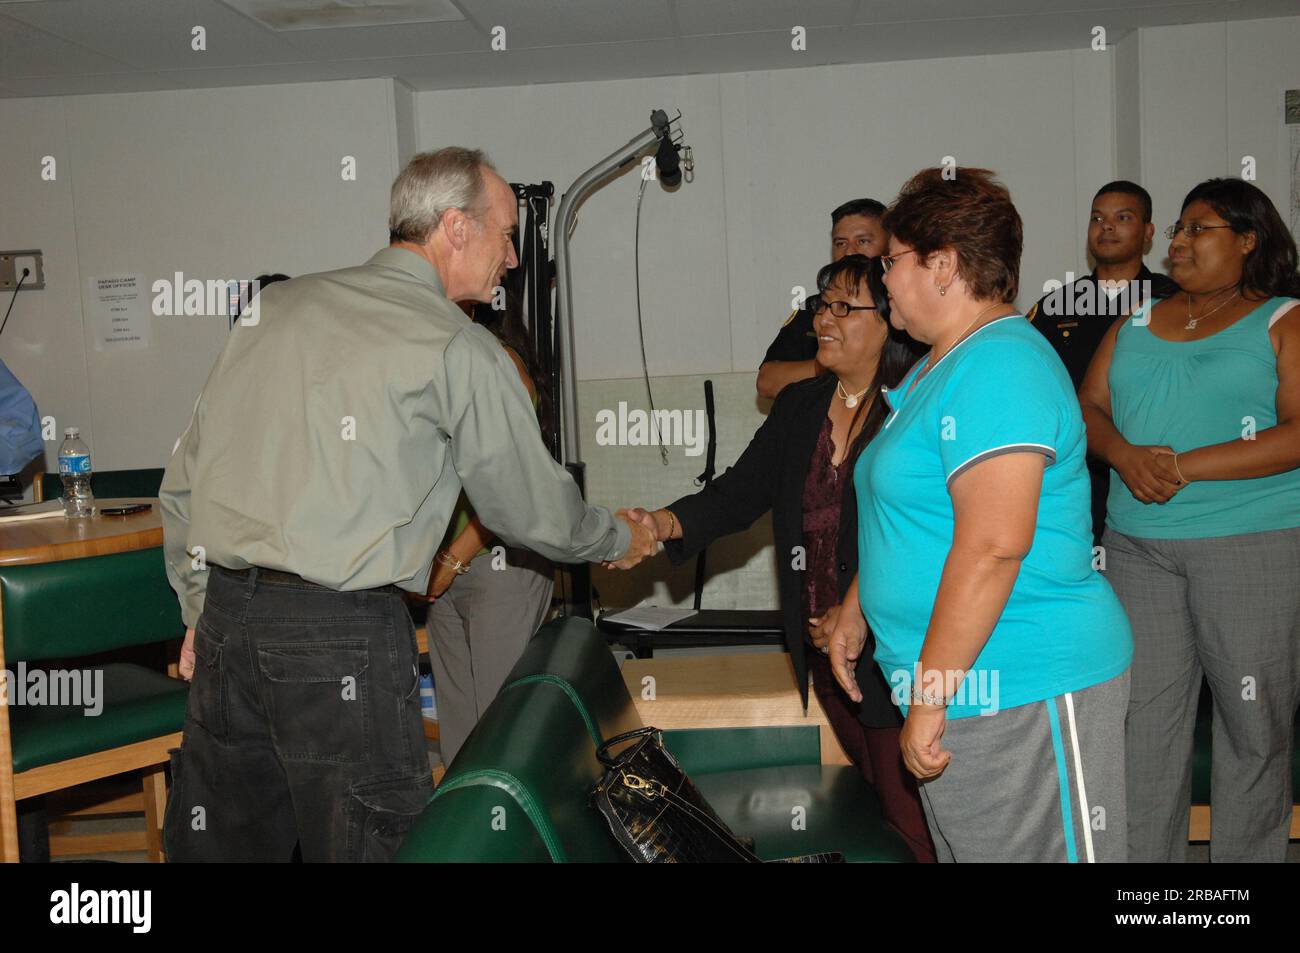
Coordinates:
<point>672,523</point>
<point>1178,471</point>
<point>451,562</point>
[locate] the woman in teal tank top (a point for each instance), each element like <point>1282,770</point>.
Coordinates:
<point>1195,404</point>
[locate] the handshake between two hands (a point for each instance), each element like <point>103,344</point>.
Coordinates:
<point>647,534</point>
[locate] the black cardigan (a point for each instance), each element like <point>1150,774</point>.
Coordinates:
<point>770,475</point>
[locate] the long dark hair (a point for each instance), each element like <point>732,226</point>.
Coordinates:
<point>1270,268</point>
<point>897,355</point>
<point>507,324</point>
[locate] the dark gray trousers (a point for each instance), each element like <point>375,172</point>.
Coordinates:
<point>477,631</point>
<point>1228,607</point>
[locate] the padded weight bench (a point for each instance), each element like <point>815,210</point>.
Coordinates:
<point>707,628</point>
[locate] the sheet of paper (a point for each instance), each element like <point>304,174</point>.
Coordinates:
<point>653,618</point>
<point>1292,110</point>
<point>31,511</point>
<point>118,312</point>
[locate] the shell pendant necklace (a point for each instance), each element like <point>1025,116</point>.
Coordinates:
<point>850,400</point>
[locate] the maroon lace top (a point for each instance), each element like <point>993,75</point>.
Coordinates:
<point>823,491</point>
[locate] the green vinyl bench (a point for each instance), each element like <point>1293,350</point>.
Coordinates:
<point>518,791</point>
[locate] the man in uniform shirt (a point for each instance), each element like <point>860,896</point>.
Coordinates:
<point>317,476</point>
<point>1075,317</point>
<point>855,230</point>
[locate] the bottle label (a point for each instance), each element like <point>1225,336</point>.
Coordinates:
<point>73,466</point>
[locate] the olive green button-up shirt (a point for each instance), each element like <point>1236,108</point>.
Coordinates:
<point>336,430</point>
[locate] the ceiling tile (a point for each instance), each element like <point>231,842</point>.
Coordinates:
<point>89,84</point>
<point>26,51</point>
<point>706,17</point>
<point>365,42</point>
<point>271,74</point>
<point>127,45</point>
<point>540,23</point>
<point>156,34</point>
<point>920,11</point>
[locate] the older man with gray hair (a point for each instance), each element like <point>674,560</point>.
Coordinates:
<point>318,473</point>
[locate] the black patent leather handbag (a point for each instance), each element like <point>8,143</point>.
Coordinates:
<point>657,814</point>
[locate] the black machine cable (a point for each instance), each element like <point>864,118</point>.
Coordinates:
<point>640,325</point>
<point>17,288</point>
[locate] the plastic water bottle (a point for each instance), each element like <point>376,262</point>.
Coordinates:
<point>428,700</point>
<point>75,469</point>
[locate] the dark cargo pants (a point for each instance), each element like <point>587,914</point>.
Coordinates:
<point>303,725</point>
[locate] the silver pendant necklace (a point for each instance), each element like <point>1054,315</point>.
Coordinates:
<point>1193,322</point>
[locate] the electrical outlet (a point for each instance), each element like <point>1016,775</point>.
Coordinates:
<point>12,264</point>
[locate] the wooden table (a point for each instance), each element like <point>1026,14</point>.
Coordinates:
<point>58,538</point>
<point>55,539</point>
<point>743,690</point>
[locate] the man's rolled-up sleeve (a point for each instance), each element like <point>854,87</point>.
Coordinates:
<point>191,584</point>
<point>517,489</point>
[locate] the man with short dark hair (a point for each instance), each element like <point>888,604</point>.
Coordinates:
<point>855,230</point>
<point>1074,317</point>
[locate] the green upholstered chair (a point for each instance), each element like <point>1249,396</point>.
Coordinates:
<point>519,789</point>
<point>573,654</point>
<point>105,484</point>
<point>73,609</point>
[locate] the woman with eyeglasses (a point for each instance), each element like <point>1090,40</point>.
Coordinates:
<point>1007,652</point>
<point>1195,404</point>
<point>799,465</point>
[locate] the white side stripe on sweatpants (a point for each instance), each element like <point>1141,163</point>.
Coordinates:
<point>1078,776</point>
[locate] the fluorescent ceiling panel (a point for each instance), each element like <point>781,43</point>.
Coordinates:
<point>324,14</point>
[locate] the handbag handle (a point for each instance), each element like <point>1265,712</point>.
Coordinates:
<point>602,753</point>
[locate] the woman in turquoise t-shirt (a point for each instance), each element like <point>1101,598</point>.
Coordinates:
<point>1195,404</point>
<point>1008,653</point>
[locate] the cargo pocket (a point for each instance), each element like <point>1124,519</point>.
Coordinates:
<point>381,813</point>
<point>317,699</point>
<point>208,706</point>
<point>173,813</point>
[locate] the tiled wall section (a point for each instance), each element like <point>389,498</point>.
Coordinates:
<point>741,568</point>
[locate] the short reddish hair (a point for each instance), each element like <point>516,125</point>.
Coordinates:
<point>969,211</point>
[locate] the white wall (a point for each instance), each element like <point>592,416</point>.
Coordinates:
<point>223,183</point>
<point>775,152</point>
<point>1211,94</point>
<point>42,343</point>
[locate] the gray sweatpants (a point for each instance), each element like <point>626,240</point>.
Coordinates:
<point>1040,783</point>
<point>477,631</point>
<point>1228,607</point>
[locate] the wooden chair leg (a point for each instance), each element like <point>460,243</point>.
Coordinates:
<point>8,796</point>
<point>155,803</point>
<point>8,831</point>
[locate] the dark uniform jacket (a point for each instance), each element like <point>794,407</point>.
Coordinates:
<point>796,341</point>
<point>1074,318</point>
